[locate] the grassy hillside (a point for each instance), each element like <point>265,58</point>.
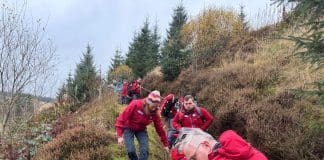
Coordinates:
<point>250,91</point>
<point>89,133</point>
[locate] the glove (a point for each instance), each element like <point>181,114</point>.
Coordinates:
<point>120,140</point>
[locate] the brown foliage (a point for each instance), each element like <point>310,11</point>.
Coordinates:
<point>282,132</point>
<point>154,81</point>
<point>61,124</point>
<point>101,112</point>
<point>209,34</point>
<point>319,145</point>
<point>250,96</point>
<point>266,32</point>
<point>241,47</point>
<point>78,143</point>
<point>9,152</point>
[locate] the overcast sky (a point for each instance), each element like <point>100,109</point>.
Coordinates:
<point>107,25</point>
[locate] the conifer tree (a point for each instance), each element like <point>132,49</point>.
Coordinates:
<point>71,88</point>
<point>142,55</point>
<point>61,92</point>
<point>174,54</point>
<point>67,88</point>
<point>86,81</point>
<point>156,45</point>
<point>242,16</point>
<point>117,60</point>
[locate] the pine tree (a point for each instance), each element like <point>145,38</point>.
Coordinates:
<point>143,51</point>
<point>156,45</point>
<point>242,16</point>
<point>117,60</point>
<point>86,81</point>
<point>68,88</point>
<point>61,92</point>
<point>71,88</point>
<point>174,54</point>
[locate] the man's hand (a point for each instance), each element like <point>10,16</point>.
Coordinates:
<point>120,141</point>
<point>167,149</point>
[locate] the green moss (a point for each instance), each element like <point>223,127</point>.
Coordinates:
<point>156,148</point>
<point>118,152</point>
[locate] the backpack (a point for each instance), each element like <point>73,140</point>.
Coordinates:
<point>166,112</point>
<point>198,109</point>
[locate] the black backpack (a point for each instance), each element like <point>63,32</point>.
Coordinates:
<point>166,112</point>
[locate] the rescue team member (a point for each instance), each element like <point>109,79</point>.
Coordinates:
<point>192,116</point>
<point>196,144</point>
<point>132,123</point>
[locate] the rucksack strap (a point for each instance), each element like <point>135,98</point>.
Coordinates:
<point>216,146</point>
<point>198,110</point>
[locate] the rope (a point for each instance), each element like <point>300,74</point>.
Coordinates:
<point>149,91</point>
<point>166,155</point>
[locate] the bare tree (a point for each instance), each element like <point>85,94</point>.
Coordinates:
<point>25,57</point>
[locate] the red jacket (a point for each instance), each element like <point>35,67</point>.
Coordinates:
<point>177,156</point>
<point>235,148</point>
<point>123,92</point>
<point>134,118</point>
<point>136,87</point>
<point>165,100</point>
<point>193,119</point>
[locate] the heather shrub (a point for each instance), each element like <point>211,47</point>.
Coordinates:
<point>241,47</point>
<point>51,114</point>
<point>28,137</point>
<point>75,136</point>
<point>154,81</point>
<point>252,95</point>
<point>62,123</point>
<point>281,132</point>
<point>78,143</point>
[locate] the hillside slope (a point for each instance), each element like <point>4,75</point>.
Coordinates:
<point>89,133</point>
<point>251,92</point>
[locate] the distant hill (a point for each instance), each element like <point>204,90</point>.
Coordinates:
<point>39,98</point>
<point>45,99</point>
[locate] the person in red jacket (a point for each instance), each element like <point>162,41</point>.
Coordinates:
<point>192,116</point>
<point>169,107</point>
<point>133,121</point>
<point>196,144</point>
<point>123,93</point>
<point>136,89</point>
